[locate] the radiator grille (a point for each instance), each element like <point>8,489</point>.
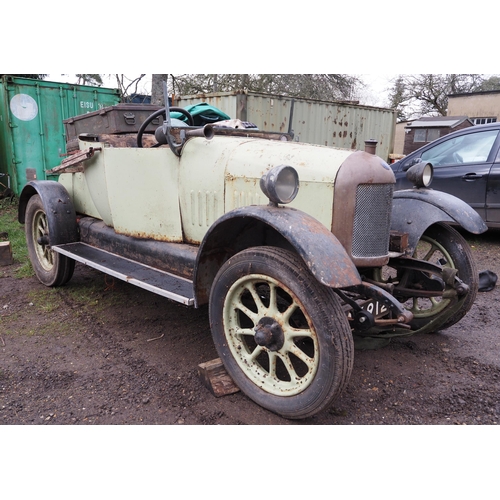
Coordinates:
<point>372,220</point>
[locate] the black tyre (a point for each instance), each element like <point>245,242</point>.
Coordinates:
<point>51,268</point>
<point>442,243</point>
<point>311,362</point>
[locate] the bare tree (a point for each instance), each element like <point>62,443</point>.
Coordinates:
<point>313,86</point>
<point>94,80</point>
<point>427,94</point>
<point>128,86</point>
<point>35,77</point>
<point>492,83</point>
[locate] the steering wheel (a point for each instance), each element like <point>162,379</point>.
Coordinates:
<point>161,112</point>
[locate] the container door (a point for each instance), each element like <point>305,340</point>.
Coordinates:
<point>34,130</point>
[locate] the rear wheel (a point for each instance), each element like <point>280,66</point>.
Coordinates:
<point>51,268</point>
<point>282,336</point>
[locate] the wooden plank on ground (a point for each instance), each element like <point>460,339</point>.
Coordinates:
<point>215,377</point>
<point>5,253</point>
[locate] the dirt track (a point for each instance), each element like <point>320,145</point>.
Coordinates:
<point>129,357</point>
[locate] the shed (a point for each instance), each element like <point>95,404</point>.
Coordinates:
<point>427,129</point>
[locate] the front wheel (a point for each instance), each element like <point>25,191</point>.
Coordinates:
<point>282,336</point>
<point>51,268</point>
<point>442,244</point>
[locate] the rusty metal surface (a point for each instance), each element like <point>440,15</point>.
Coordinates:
<point>413,211</point>
<point>223,174</point>
<point>132,271</point>
<point>59,209</point>
<point>276,136</point>
<point>456,209</point>
<point>427,279</point>
<point>74,161</point>
<point>175,258</point>
<point>327,123</point>
<point>118,119</point>
<point>398,242</point>
<point>283,227</point>
<point>369,291</point>
<point>362,168</point>
<point>122,140</point>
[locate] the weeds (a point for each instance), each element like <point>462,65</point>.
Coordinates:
<point>11,230</point>
<point>45,300</point>
<point>96,295</point>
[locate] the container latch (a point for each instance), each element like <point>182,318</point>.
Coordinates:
<point>129,118</point>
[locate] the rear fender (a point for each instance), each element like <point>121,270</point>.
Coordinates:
<point>414,210</point>
<point>283,227</point>
<point>61,215</point>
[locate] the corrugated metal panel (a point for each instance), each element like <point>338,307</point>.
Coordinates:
<point>225,101</point>
<point>32,135</point>
<point>336,124</point>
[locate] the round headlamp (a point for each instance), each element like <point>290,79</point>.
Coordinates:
<point>280,184</point>
<point>420,174</point>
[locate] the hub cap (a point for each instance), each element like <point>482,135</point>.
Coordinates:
<point>40,235</point>
<point>287,358</point>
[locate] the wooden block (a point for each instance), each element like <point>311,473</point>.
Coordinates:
<point>215,377</point>
<point>5,253</point>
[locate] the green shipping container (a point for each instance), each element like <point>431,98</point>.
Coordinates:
<point>32,134</point>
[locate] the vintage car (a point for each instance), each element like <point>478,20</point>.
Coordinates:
<point>297,249</point>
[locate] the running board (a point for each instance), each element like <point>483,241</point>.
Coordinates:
<point>159,282</point>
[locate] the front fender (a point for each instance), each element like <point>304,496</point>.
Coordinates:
<point>414,210</point>
<point>59,209</point>
<point>285,227</point>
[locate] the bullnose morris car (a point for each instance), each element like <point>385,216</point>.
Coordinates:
<point>297,249</point>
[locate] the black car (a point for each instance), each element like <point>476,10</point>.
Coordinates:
<point>466,164</point>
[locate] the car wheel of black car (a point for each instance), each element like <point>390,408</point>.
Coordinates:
<point>282,336</point>
<point>51,268</point>
<point>444,245</point>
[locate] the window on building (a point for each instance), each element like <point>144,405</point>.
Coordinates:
<point>433,134</point>
<point>420,135</point>
<point>426,134</point>
<point>482,121</point>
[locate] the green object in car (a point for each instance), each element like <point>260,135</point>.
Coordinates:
<point>202,114</point>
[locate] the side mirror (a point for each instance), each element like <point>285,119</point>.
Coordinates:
<point>411,163</point>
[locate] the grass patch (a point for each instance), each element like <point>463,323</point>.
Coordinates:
<point>96,295</point>
<point>50,328</point>
<point>40,327</point>
<point>15,234</point>
<point>45,300</point>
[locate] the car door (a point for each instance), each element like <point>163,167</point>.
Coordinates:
<point>493,192</point>
<point>462,166</point>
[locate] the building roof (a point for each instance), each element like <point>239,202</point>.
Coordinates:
<point>438,121</point>
<point>470,94</point>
